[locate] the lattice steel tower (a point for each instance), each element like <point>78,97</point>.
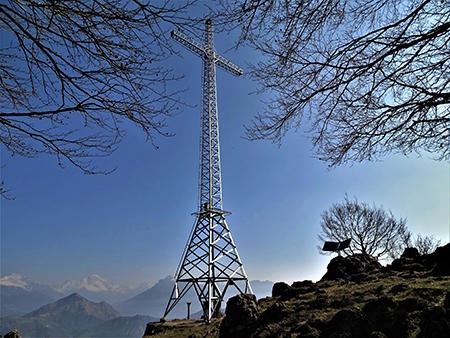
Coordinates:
<point>210,261</point>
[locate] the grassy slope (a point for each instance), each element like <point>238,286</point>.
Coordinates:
<point>307,309</point>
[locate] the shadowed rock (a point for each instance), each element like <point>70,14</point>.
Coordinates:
<point>434,323</point>
<point>241,316</point>
<point>12,334</point>
<point>348,267</point>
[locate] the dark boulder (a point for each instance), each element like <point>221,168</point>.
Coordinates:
<point>386,316</point>
<point>12,334</point>
<point>434,323</point>
<point>279,288</point>
<point>438,261</point>
<point>349,322</point>
<point>408,261</point>
<point>346,267</point>
<point>410,253</point>
<point>305,287</point>
<point>273,314</point>
<point>379,314</point>
<point>241,316</point>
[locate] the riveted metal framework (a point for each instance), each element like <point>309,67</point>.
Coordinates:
<point>210,261</point>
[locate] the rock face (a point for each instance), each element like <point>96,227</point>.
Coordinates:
<point>241,316</point>
<point>351,267</point>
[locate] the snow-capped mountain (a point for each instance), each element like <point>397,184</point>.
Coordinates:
<point>93,283</point>
<point>18,281</point>
<point>21,295</point>
<point>99,289</point>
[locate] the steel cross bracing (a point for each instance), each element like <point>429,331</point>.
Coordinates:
<point>210,261</point>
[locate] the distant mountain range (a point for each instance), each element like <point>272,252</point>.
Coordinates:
<point>38,310</point>
<point>154,300</point>
<point>20,295</point>
<point>75,316</point>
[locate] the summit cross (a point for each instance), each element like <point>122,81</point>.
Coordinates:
<point>210,262</point>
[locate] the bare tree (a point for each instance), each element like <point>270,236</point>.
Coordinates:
<point>372,230</point>
<point>426,244</point>
<point>372,77</point>
<point>72,72</point>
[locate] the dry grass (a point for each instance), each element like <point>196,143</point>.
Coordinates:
<point>316,306</point>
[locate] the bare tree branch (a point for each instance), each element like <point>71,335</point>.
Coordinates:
<point>72,72</point>
<point>370,76</point>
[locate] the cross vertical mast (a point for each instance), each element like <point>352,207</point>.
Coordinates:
<point>210,177</point>
<point>210,262</point>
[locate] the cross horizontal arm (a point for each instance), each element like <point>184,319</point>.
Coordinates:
<point>188,42</point>
<point>228,65</point>
<point>197,48</point>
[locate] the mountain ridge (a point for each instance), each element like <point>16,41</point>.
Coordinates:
<point>68,316</point>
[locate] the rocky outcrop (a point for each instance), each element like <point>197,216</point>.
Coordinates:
<point>356,298</point>
<point>12,334</point>
<point>352,267</point>
<point>241,315</point>
<point>279,288</point>
<point>367,305</point>
<point>436,263</point>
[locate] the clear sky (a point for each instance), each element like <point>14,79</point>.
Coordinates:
<point>131,226</point>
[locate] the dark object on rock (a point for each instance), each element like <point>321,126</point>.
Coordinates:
<point>12,334</point>
<point>336,246</point>
<point>241,316</point>
<point>345,267</point>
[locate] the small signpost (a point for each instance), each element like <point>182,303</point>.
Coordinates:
<point>188,310</point>
<point>336,246</point>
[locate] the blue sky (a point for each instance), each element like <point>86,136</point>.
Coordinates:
<point>131,226</point>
